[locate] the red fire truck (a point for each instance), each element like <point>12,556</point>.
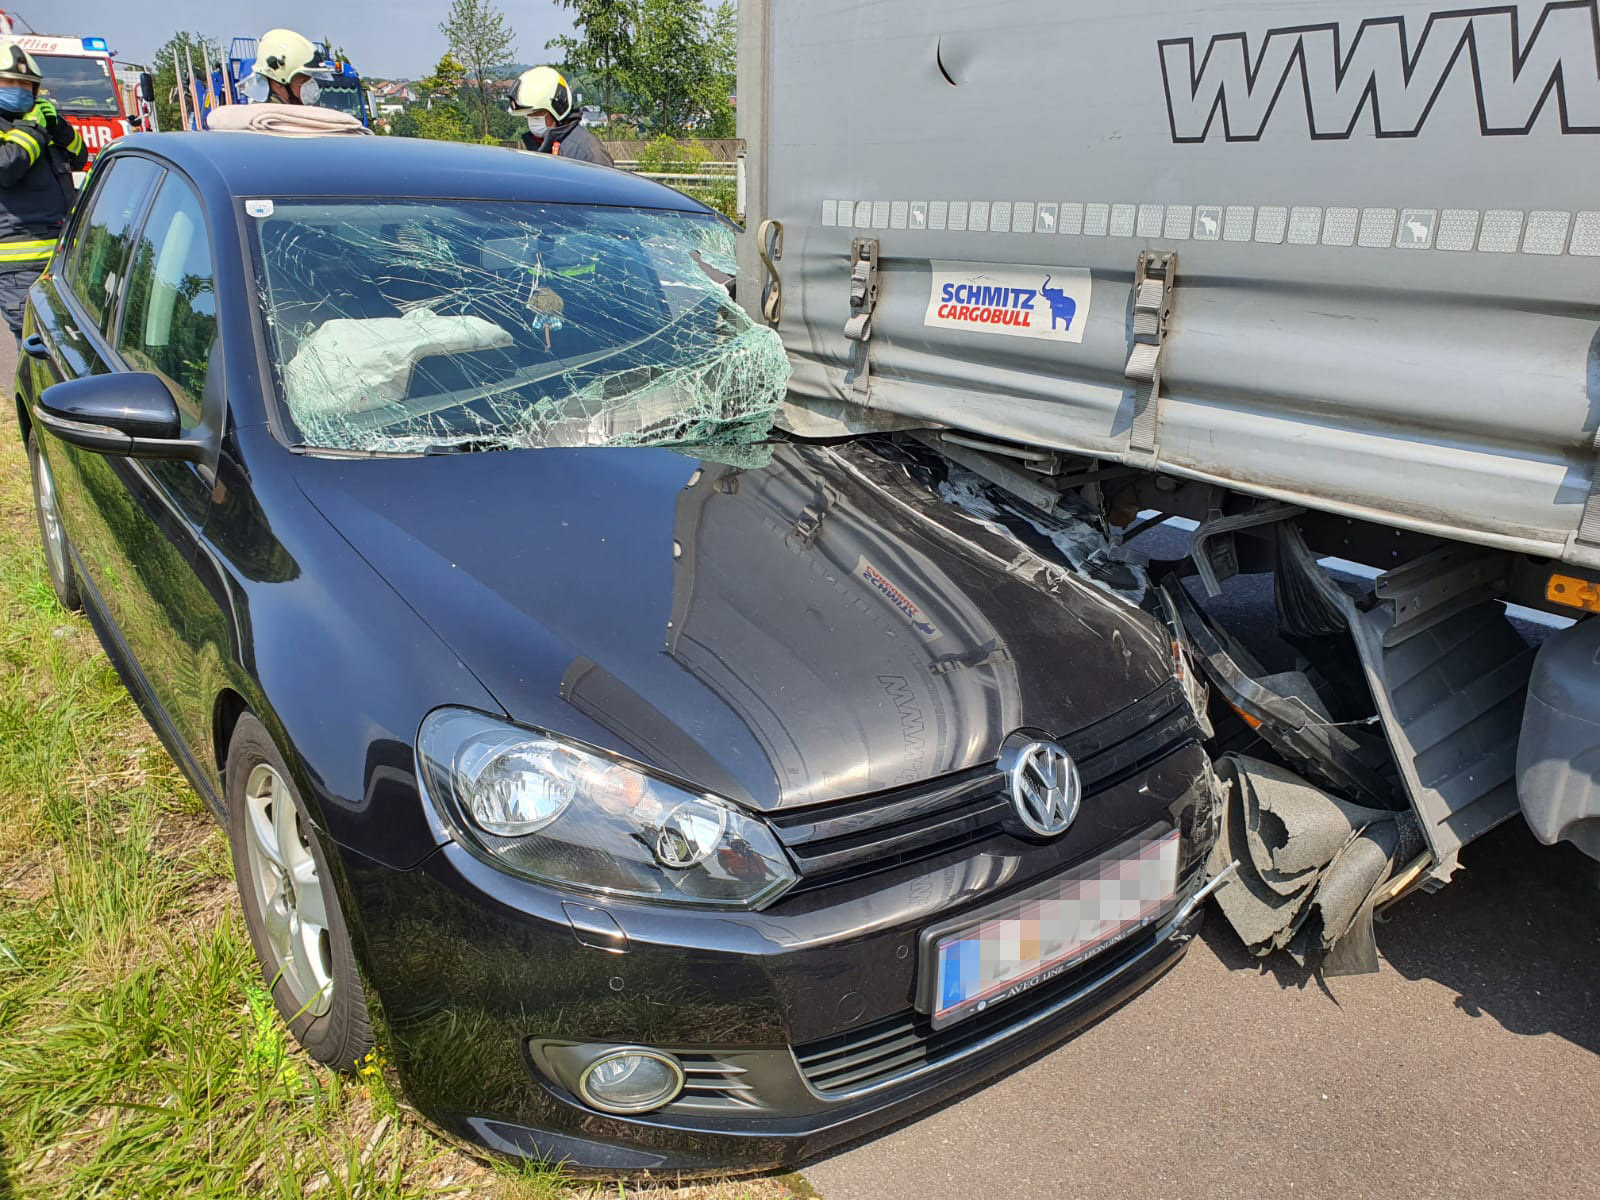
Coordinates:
<point>81,77</point>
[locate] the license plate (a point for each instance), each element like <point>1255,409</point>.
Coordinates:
<point>1054,928</point>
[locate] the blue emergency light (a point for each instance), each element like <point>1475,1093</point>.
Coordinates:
<point>94,44</point>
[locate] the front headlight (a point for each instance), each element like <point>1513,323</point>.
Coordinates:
<point>547,810</point>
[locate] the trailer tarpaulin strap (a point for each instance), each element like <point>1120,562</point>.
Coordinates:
<point>1152,306</point>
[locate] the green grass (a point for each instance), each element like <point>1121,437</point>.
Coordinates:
<point>140,1056</point>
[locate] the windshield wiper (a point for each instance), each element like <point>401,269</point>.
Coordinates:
<point>465,446</point>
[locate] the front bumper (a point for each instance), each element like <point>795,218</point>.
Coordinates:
<point>796,1026</point>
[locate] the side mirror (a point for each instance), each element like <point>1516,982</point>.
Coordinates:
<point>129,413</point>
<point>147,87</point>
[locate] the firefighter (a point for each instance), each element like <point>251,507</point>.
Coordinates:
<point>39,151</point>
<point>285,71</point>
<point>555,122</point>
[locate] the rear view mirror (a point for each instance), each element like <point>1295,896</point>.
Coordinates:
<point>127,413</point>
<point>147,87</point>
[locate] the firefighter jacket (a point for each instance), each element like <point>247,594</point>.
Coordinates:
<point>36,188</point>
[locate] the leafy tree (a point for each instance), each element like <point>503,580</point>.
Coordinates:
<point>200,49</point>
<point>722,71</point>
<point>503,127</point>
<point>448,77</point>
<point>445,122</point>
<point>681,67</point>
<point>479,38</point>
<point>604,48</point>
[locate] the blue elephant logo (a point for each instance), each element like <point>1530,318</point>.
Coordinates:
<point>1062,306</point>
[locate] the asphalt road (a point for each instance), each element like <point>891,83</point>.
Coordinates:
<point>1466,1067</point>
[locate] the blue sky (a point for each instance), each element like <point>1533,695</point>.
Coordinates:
<point>391,38</point>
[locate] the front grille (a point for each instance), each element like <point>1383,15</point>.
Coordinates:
<point>905,1045</point>
<point>881,831</point>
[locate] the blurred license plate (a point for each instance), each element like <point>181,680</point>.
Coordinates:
<point>1054,928</point>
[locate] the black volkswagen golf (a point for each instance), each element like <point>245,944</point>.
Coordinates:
<point>661,790</point>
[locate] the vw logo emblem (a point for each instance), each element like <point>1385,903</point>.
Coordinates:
<point>1045,788</point>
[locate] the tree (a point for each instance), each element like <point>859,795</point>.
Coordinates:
<point>200,50</point>
<point>682,65</point>
<point>448,78</point>
<point>478,37</point>
<point>722,74</point>
<point>604,48</point>
<point>667,71</point>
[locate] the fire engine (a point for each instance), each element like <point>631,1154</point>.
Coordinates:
<point>81,77</point>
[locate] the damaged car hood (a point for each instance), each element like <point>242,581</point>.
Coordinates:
<point>836,621</point>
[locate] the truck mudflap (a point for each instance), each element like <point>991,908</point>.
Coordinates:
<point>1558,757</point>
<point>1311,867</point>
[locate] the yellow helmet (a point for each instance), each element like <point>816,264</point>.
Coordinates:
<point>282,54</point>
<point>542,89</point>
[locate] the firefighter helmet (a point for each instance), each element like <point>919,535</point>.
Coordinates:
<point>17,65</point>
<point>282,54</point>
<point>542,89</point>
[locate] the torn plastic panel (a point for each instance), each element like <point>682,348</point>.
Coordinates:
<point>1310,865</point>
<point>1288,714</point>
<point>413,326</point>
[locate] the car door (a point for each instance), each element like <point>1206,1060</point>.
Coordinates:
<point>73,307</point>
<point>166,325</point>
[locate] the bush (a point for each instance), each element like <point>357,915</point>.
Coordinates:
<point>722,195</point>
<point>666,156</point>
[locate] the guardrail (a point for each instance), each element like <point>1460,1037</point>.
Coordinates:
<point>703,173</point>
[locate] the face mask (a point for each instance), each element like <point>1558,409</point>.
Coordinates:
<point>310,92</point>
<point>538,126</point>
<point>16,98</point>
<point>255,89</point>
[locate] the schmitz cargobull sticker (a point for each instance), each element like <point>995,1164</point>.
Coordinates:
<point>1036,302</point>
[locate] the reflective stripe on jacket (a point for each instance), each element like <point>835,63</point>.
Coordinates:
<point>36,188</point>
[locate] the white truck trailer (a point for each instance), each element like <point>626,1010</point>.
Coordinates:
<point>1322,277</point>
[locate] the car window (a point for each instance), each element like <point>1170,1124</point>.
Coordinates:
<point>100,249</point>
<point>169,322</point>
<point>418,324</point>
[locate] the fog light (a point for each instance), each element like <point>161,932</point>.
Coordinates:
<point>630,1080</point>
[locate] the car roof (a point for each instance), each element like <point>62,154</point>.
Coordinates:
<point>227,165</point>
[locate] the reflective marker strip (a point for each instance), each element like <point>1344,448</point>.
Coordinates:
<point>27,141</point>
<point>1492,231</point>
<point>35,251</point>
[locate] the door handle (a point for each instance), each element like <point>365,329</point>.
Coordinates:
<point>33,345</point>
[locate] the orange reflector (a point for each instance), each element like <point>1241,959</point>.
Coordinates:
<point>1253,722</point>
<point>1573,593</point>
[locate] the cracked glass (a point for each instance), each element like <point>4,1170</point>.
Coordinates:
<point>429,326</point>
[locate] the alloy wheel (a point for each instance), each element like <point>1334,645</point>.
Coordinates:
<point>288,892</point>
<point>55,540</point>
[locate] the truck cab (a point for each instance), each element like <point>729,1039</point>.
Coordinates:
<point>81,77</point>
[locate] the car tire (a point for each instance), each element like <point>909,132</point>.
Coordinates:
<point>52,534</point>
<point>291,906</point>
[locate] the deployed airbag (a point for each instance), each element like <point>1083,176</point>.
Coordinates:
<point>351,365</point>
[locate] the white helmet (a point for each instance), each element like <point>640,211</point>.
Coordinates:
<point>542,89</point>
<point>17,65</point>
<point>282,54</point>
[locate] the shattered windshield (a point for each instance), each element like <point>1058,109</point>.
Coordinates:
<point>433,325</point>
